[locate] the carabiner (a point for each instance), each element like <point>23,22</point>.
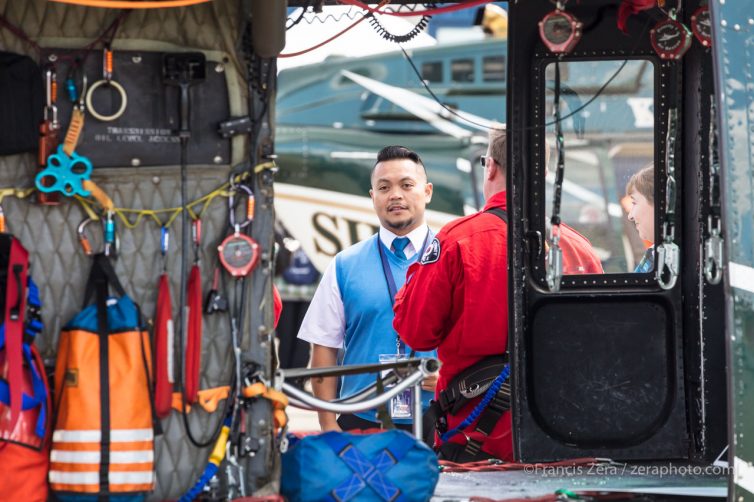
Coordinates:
<point>111,239</point>
<point>554,261</point>
<point>232,207</point>
<point>196,237</point>
<point>86,245</point>
<point>668,264</point>
<point>713,252</point>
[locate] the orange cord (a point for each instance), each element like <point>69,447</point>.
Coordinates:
<point>53,91</point>
<point>130,4</point>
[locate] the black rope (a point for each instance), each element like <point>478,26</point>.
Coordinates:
<point>530,128</point>
<point>384,33</point>
<point>559,173</point>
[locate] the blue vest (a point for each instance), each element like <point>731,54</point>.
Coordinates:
<point>369,312</point>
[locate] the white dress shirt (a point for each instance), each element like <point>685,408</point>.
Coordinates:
<point>325,320</point>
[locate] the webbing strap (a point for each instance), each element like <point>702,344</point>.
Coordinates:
<point>368,472</point>
<point>193,334</point>
<point>98,278</point>
<point>499,212</point>
<point>107,273</point>
<point>15,309</point>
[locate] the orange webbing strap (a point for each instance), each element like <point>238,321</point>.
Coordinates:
<point>130,4</point>
<point>74,131</point>
<point>209,399</point>
<point>99,195</point>
<point>279,401</point>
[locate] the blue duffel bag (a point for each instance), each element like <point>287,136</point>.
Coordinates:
<point>339,466</point>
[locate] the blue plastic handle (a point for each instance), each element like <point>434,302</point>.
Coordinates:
<point>60,169</point>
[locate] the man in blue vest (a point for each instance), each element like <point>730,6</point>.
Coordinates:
<point>352,307</point>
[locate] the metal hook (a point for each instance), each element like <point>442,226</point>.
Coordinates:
<point>668,262</point>
<point>111,239</point>
<point>86,245</point>
<point>713,253</point>
<point>232,207</point>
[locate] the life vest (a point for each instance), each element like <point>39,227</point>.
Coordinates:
<point>24,393</point>
<point>103,442</point>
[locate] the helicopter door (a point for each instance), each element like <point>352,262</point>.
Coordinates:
<point>597,342</point>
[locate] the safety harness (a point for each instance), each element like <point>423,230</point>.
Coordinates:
<point>22,323</point>
<point>487,378</point>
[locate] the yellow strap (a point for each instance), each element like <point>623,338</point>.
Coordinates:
<point>99,195</point>
<point>74,131</point>
<point>264,165</point>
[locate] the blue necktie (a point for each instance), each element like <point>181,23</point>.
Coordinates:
<point>399,245</point>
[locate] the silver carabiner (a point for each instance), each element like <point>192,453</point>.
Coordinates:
<point>554,262</point>
<point>232,207</point>
<point>713,253</point>
<point>668,264</point>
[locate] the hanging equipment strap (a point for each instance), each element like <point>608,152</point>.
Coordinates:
<point>668,252</point>
<point>15,307</point>
<point>713,245</point>
<point>555,254</point>
<point>164,338</point>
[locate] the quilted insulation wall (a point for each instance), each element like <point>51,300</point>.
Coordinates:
<point>60,267</point>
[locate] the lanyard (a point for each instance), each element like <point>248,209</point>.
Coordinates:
<point>388,271</point>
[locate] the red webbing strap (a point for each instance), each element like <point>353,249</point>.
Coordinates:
<point>194,334</point>
<point>15,310</point>
<point>163,328</point>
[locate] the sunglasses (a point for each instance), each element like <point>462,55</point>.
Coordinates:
<point>484,159</point>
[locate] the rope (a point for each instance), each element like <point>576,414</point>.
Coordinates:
<point>321,44</point>
<point>123,213</point>
<point>127,4</point>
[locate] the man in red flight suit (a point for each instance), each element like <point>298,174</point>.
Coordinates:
<point>456,298</point>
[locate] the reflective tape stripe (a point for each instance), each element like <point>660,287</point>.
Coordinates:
<point>74,478</point>
<point>131,478</point>
<point>93,457</point>
<point>743,474</point>
<point>94,436</point>
<point>92,478</point>
<point>741,276</point>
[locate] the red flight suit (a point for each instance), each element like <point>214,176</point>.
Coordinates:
<point>456,300</point>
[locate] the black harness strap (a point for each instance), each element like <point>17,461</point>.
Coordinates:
<point>499,212</point>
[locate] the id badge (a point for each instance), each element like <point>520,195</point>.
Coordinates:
<point>401,406</point>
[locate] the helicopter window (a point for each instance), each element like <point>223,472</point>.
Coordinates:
<point>608,191</point>
<point>462,70</point>
<point>432,72</point>
<point>493,69</point>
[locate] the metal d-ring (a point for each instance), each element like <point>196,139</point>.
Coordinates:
<point>123,100</point>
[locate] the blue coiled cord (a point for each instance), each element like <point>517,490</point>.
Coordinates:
<point>499,381</point>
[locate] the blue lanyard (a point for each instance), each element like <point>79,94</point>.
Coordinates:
<point>392,289</point>
<point>388,271</point>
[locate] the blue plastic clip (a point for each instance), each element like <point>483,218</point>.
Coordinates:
<point>65,174</point>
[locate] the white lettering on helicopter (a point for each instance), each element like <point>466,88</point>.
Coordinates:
<point>335,233</point>
<point>643,110</point>
<point>136,135</point>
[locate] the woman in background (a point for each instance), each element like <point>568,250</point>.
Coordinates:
<point>640,189</point>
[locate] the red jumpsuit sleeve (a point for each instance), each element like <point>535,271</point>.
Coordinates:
<point>423,306</point>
